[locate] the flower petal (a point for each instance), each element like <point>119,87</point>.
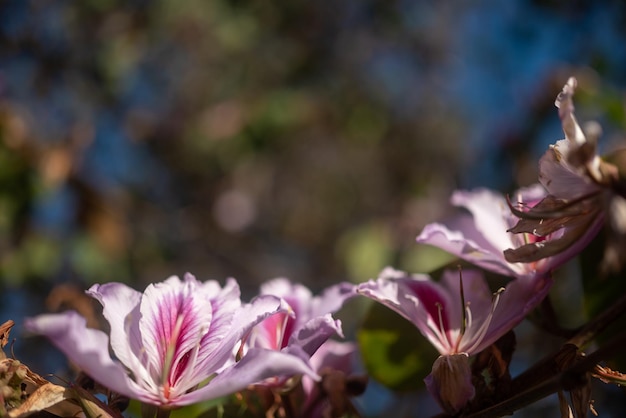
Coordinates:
<point>416,298</point>
<point>256,366</point>
<point>120,307</point>
<point>88,349</point>
<point>490,212</point>
<point>465,246</point>
<point>332,354</point>
<point>246,317</point>
<point>561,179</point>
<point>174,318</point>
<point>309,323</point>
<point>332,299</point>
<point>520,296</point>
<point>224,303</point>
<point>296,295</point>
<point>315,332</point>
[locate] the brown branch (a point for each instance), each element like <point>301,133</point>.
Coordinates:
<point>571,378</point>
<point>547,367</point>
<point>599,323</point>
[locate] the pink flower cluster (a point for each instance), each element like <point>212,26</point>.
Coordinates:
<point>184,341</point>
<point>178,342</point>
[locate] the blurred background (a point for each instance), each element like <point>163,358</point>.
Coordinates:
<point>255,139</point>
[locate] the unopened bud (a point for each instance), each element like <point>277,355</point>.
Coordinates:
<point>450,382</point>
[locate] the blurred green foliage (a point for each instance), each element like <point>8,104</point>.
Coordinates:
<point>223,138</point>
<point>313,140</point>
<point>394,352</point>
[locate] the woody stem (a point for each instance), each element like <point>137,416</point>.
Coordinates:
<point>569,379</point>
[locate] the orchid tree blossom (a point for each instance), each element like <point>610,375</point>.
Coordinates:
<point>304,331</point>
<point>460,317</point>
<point>308,322</point>
<point>173,343</point>
<point>580,187</point>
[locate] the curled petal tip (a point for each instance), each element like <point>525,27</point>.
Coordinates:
<point>564,99</point>
<point>572,83</point>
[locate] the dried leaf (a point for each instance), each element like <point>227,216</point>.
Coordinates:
<point>43,398</point>
<point>33,378</point>
<point>5,329</point>
<point>609,376</point>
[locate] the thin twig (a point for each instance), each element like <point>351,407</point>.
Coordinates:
<point>547,367</point>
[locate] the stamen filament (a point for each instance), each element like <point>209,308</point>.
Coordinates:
<point>464,310</point>
<point>482,331</point>
<point>464,317</point>
<point>442,328</point>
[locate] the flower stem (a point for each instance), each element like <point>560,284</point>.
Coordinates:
<point>163,413</point>
<point>153,411</point>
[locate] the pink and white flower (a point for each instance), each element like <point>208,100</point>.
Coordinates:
<point>460,317</point>
<point>456,315</point>
<point>579,186</point>
<point>173,343</point>
<point>307,324</point>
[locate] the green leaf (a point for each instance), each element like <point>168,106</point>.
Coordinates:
<point>393,350</point>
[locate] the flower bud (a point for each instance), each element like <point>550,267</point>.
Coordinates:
<point>450,382</point>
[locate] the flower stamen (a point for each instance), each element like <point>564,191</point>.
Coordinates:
<point>442,327</point>
<point>463,305</point>
<point>482,331</point>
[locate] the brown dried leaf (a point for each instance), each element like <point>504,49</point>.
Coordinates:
<point>609,376</point>
<point>33,378</point>
<point>5,329</point>
<point>44,397</point>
